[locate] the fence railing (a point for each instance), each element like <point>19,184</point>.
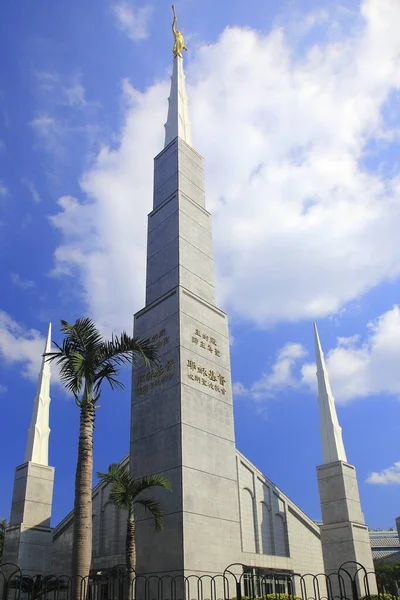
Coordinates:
<point>237,582</point>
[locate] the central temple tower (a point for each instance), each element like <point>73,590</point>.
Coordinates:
<point>182,412</point>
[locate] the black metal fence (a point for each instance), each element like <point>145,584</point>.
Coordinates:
<point>238,582</point>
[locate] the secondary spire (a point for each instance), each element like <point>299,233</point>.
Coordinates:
<point>37,448</point>
<point>178,124</point>
<point>331,432</point>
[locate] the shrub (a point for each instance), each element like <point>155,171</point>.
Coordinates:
<point>278,597</point>
<point>379,597</point>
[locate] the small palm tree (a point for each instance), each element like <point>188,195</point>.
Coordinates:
<point>39,587</point>
<point>86,360</point>
<point>126,492</point>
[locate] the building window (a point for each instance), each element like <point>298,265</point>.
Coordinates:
<point>248,522</point>
<point>265,529</point>
<point>259,582</point>
<point>281,536</point>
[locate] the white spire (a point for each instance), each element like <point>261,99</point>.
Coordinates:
<point>37,448</point>
<point>178,113</point>
<point>331,432</point>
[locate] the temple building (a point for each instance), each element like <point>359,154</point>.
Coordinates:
<point>223,510</point>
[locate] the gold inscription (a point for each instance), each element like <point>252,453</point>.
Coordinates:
<point>207,377</point>
<point>160,339</point>
<point>206,342</point>
<point>155,377</point>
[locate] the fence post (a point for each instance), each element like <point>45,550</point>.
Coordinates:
<point>354,589</point>
<point>238,590</point>
<point>5,588</point>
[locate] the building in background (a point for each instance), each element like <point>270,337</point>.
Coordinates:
<point>385,544</point>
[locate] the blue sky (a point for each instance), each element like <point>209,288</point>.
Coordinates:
<point>295,108</point>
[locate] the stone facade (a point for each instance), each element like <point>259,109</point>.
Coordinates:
<point>182,413</point>
<point>29,536</point>
<point>344,535</point>
<point>109,528</point>
<point>274,532</point>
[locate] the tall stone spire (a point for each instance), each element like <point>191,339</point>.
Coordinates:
<point>37,448</point>
<point>344,535</point>
<point>182,409</point>
<point>331,432</point>
<point>29,536</point>
<point>178,124</point>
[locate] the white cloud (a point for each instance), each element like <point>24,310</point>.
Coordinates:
<point>3,389</point>
<point>360,369</point>
<point>279,377</point>
<point>105,238</point>
<point>134,23</point>
<point>23,284</point>
<point>62,115</point>
<point>387,476</point>
<point>55,135</point>
<point>300,226</point>
<point>49,130</point>
<point>31,187</point>
<point>3,190</point>
<point>62,90</point>
<point>20,345</point>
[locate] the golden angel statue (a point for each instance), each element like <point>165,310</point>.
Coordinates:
<point>179,41</point>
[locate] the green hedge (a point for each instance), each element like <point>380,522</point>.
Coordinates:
<point>288,597</point>
<point>378,597</point>
<point>275,597</point>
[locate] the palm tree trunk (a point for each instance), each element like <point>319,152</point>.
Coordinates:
<point>130,550</point>
<point>82,538</point>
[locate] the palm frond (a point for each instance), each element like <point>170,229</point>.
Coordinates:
<point>154,508</point>
<point>86,358</point>
<point>71,365</point>
<point>38,586</point>
<point>120,496</point>
<point>116,473</point>
<point>120,479</point>
<point>149,481</point>
<point>83,334</point>
<point>107,372</point>
<point>125,491</point>
<point>76,355</point>
<point>123,348</point>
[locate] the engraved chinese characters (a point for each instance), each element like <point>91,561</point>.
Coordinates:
<point>159,375</point>
<point>207,377</point>
<point>160,339</point>
<point>202,340</point>
<point>155,377</point>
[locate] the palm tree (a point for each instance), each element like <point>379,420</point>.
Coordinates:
<point>125,493</point>
<point>39,587</point>
<point>86,360</point>
<point>3,527</point>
